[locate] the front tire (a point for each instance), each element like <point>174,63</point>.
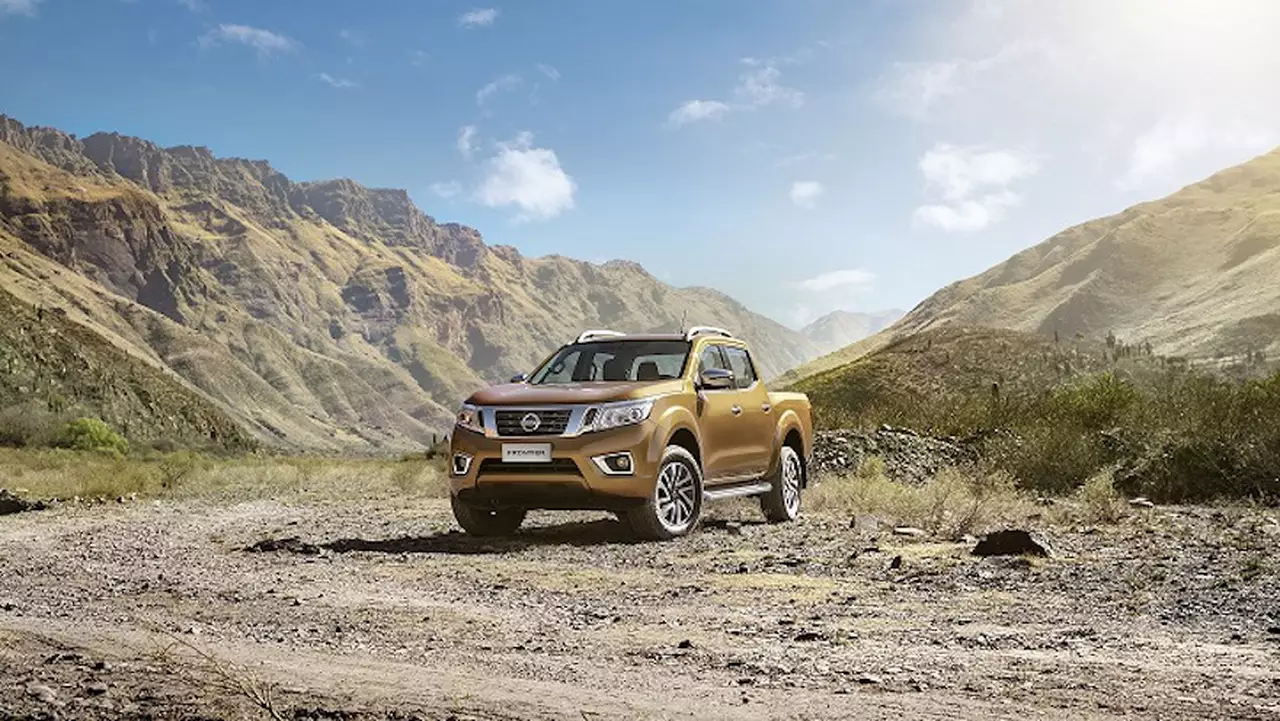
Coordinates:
<point>484,522</point>
<point>782,502</point>
<point>674,507</point>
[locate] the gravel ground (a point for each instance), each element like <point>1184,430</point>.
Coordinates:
<point>378,610</point>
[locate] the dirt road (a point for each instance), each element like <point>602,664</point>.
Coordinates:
<point>157,610</point>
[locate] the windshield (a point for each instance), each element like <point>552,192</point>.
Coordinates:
<point>626,360</point>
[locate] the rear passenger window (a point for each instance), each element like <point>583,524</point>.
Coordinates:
<point>744,373</point>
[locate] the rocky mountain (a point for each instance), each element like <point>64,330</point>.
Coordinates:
<point>1195,274</point>
<point>320,315</point>
<point>839,328</point>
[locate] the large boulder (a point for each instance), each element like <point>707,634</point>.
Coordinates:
<point>1013,543</point>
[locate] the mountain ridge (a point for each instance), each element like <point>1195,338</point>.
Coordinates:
<point>321,314</point>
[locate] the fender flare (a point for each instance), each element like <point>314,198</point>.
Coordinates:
<point>674,419</point>
<point>787,422</point>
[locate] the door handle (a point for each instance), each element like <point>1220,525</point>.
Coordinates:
<point>766,407</point>
<point>736,410</point>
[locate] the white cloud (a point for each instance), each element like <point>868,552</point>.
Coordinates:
<point>418,58</point>
<point>1159,153</point>
<point>974,185</point>
<point>848,278</point>
<point>759,87</point>
<point>549,71</point>
<point>805,193</point>
<point>805,157</point>
<point>506,82</point>
<point>479,18</point>
<point>967,215</point>
<point>913,88</point>
<point>466,141</point>
<point>264,41</point>
<point>351,37</point>
<point>696,110</point>
<point>446,189</point>
<point>18,7</point>
<point>528,178</point>
<point>340,83</point>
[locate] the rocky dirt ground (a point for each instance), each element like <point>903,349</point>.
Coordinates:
<point>160,610</point>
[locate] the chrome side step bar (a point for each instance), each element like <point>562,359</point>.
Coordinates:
<point>750,489</point>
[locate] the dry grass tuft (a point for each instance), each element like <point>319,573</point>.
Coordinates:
<point>1099,500</point>
<point>952,504</point>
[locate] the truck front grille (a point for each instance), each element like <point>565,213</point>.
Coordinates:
<point>557,467</point>
<point>550,422</point>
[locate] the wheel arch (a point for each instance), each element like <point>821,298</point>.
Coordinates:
<point>790,434</point>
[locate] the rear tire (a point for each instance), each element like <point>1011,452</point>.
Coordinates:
<point>674,507</point>
<point>782,502</point>
<point>484,522</point>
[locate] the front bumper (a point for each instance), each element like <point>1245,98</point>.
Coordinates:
<point>572,480</point>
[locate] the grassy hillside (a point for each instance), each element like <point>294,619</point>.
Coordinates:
<point>322,315</point>
<point>1054,414</point>
<point>1194,274</point>
<point>53,370</point>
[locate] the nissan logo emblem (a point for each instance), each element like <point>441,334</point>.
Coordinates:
<point>530,422</point>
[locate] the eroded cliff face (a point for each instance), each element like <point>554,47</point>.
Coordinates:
<point>362,313</point>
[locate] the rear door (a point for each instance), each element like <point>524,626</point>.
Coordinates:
<point>755,419</point>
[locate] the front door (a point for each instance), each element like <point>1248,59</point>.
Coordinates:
<point>755,419</point>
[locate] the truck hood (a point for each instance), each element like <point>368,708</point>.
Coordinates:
<point>524,394</point>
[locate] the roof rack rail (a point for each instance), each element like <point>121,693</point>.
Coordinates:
<point>594,334</point>
<point>698,330</point>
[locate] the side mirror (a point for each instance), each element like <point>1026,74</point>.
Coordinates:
<point>520,378</point>
<point>715,379</point>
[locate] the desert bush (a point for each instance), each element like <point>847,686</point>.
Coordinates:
<point>1173,435</point>
<point>950,505</point>
<point>28,425</point>
<point>1099,499</point>
<point>91,434</point>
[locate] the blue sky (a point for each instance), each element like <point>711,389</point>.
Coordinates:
<point>800,155</point>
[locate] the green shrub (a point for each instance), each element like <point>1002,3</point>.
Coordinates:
<point>91,434</point>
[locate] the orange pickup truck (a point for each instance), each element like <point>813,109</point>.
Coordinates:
<point>646,426</point>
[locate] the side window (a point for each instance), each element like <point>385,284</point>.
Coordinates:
<point>744,373</point>
<point>712,357</point>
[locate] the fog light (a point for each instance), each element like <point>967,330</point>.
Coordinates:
<point>461,463</point>
<point>615,464</point>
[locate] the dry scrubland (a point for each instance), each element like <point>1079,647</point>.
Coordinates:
<point>314,588</point>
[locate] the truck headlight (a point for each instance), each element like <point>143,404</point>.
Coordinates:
<point>469,418</point>
<point>616,415</point>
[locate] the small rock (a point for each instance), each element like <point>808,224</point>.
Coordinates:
<point>896,563</point>
<point>97,688</point>
<point>804,636</point>
<point>1141,502</point>
<point>1013,543</point>
<point>909,531</point>
<point>1274,630</point>
<point>864,524</point>
<point>869,680</point>
<point>685,644</point>
<point>42,692</point>
<point>733,528</point>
